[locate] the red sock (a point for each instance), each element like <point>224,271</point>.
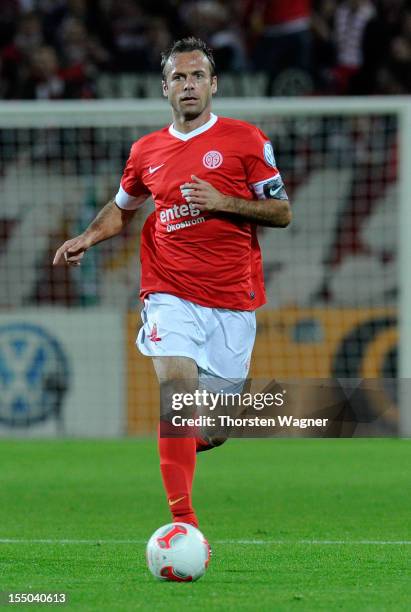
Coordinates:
<point>177,464</point>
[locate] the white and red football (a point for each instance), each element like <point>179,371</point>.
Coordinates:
<point>178,552</point>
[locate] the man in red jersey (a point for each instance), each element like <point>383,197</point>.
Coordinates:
<point>213,180</point>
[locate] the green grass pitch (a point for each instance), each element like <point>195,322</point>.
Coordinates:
<point>294,524</point>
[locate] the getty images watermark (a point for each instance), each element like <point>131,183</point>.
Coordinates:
<point>237,403</point>
<point>269,408</point>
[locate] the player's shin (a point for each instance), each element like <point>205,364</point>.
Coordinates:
<point>177,465</point>
<point>177,447</point>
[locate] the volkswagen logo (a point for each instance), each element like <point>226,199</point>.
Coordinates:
<point>34,375</point>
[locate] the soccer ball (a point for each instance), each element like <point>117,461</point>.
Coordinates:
<point>178,552</point>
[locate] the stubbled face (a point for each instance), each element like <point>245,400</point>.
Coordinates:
<point>189,85</point>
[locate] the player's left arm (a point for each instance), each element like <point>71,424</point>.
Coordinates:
<point>271,212</point>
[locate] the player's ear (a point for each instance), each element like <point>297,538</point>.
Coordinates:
<point>165,88</point>
<point>214,85</point>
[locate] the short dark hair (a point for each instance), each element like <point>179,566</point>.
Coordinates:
<point>185,45</point>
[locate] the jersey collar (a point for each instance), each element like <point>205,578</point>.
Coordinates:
<point>196,132</point>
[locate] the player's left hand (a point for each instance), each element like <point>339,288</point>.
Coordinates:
<point>203,195</point>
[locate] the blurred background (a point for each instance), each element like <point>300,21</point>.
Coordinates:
<point>80,82</point>
<point>56,49</point>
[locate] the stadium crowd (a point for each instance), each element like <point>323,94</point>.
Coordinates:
<point>55,49</point>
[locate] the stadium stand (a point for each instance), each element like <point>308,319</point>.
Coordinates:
<point>101,48</point>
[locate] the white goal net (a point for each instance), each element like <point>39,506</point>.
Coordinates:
<point>337,281</point>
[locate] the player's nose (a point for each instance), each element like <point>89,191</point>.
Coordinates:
<point>189,84</point>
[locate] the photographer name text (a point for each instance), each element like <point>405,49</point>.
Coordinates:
<point>257,421</point>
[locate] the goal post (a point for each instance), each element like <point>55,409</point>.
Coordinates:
<point>404,268</point>
<point>339,293</point>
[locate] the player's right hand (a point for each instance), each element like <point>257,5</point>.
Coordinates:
<point>72,251</point>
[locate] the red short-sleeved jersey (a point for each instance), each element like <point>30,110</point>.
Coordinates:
<point>207,258</point>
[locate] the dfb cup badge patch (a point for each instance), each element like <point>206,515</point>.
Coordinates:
<point>212,159</point>
<point>269,154</point>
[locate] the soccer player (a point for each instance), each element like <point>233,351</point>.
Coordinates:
<point>213,180</point>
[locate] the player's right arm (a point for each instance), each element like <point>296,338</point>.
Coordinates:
<point>109,222</point>
<point>115,215</point>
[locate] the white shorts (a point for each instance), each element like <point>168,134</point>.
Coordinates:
<point>219,340</point>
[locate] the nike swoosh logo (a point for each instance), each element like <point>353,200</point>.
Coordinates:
<point>171,503</point>
<point>151,170</point>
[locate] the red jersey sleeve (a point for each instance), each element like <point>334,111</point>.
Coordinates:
<point>263,175</point>
<point>132,192</point>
